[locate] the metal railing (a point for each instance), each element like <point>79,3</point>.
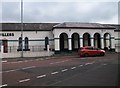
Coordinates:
<point>34,48</point>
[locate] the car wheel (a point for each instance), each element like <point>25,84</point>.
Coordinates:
<point>86,55</point>
<point>102,54</point>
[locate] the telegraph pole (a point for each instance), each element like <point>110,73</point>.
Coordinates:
<point>22,27</point>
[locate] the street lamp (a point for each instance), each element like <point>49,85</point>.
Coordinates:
<point>22,28</point>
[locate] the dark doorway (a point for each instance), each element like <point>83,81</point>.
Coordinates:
<point>86,39</point>
<point>5,46</point>
<point>107,41</point>
<point>97,42</point>
<point>75,41</point>
<point>63,42</point>
<point>46,42</point>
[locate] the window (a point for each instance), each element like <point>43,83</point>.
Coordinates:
<point>26,44</point>
<point>20,44</point>
<point>46,42</point>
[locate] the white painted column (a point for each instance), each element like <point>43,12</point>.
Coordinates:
<point>81,41</point>
<point>1,48</point>
<point>92,41</point>
<point>1,53</point>
<point>57,44</point>
<point>102,42</point>
<point>69,44</point>
<point>112,42</point>
<point>48,48</point>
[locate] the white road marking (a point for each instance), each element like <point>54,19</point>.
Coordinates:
<point>86,63</point>
<point>89,63</point>
<point>104,64</point>
<point>28,67</point>
<point>54,73</point>
<point>59,62</point>
<point>11,70</point>
<point>41,76</point>
<point>64,70</point>
<point>24,80</point>
<point>80,65</point>
<point>73,67</point>
<point>18,69</point>
<point>3,85</point>
<point>20,61</point>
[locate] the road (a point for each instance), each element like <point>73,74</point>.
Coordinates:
<point>62,71</point>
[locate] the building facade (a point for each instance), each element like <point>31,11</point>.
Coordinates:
<point>67,36</point>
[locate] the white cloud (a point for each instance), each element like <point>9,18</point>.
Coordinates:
<point>61,11</point>
<point>113,20</point>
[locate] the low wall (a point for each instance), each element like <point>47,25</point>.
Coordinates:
<point>27,54</point>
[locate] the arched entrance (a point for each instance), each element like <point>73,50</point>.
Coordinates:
<point>86,39</point>
<point>46,42</point>
<point>97,42</point>
<point>107,41</point>
<point>5,45</point>
<point>63,42</point>
<point>75,41</point>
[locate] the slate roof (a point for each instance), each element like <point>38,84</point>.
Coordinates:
<point>50,26</point>
<point>84,25</point>
<point>28,26</point>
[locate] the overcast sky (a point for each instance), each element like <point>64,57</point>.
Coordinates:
<point>55,11</point>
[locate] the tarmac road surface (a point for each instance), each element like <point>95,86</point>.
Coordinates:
<point>62,71</point>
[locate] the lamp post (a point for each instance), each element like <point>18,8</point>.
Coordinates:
<point>22,28</point>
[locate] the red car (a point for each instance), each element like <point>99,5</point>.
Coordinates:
<point>90,51</point>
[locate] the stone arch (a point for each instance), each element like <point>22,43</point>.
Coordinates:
<point>75,41</point>
<point>63,42</point>
<point>97,40</point>
<point>46,42</point>
<point>86,39</point>
<point>107,41</point>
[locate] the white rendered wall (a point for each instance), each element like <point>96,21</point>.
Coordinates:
<point>35,39</point>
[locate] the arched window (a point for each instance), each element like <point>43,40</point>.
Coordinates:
<point>46,42</point>
<point>63,42</point>
<point>75,41</point>
<point>26,43</point>
<point>20,44</point>
<point>107,41</point>
<point>5,46</point>
<point>86,39</point>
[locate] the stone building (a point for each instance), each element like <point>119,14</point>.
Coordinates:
<point>67,36</point>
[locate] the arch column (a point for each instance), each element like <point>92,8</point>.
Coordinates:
<point>81,41</point>
<point>112,43</point>
<point>57,45</point>
<point>102,42</point>
<point>92,40</point>
<point>69,44</point>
